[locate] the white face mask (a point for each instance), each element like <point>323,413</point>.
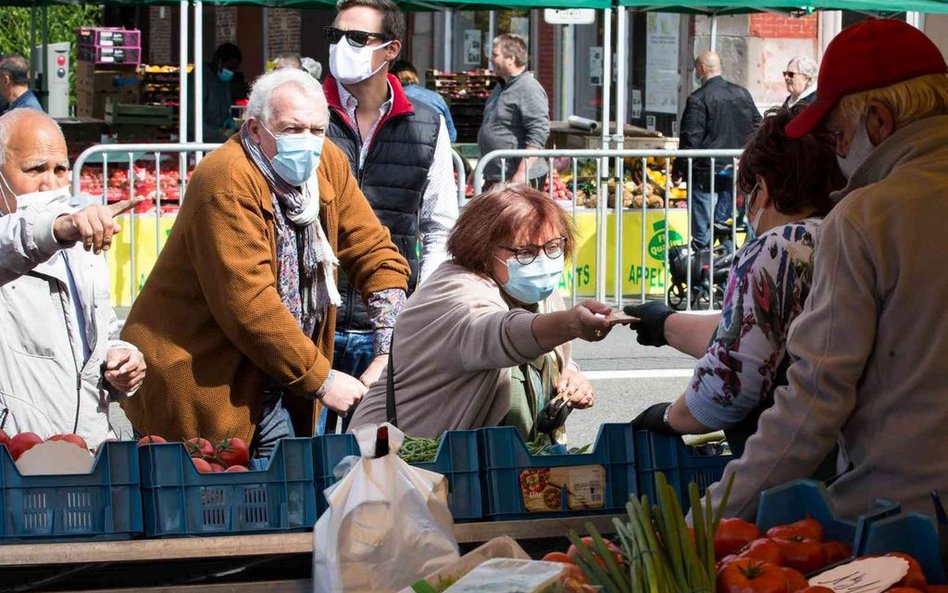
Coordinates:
<point>36,199</point>
<point>351,65</point>
<point>859,149</point>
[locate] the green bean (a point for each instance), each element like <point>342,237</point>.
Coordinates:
<point>418,449</point>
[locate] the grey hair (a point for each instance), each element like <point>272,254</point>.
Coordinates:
<point>807,67</point>
<point>11,120</point>
<point>258,105</point>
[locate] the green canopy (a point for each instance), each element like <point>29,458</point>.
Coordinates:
<point>795,7</point>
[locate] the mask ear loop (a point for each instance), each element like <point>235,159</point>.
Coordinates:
<point>9,189</point>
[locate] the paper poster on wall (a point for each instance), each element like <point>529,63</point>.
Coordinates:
<point>472,46</point>
<point>595,66</point>
<point>661,63</point>
<point>636,111</point>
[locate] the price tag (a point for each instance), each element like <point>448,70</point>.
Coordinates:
<point>866,575</point>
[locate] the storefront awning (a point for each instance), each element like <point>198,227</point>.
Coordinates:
<point>792,7</point>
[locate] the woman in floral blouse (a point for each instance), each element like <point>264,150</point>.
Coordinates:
<point>742,351</point>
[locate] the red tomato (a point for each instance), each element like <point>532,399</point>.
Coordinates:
<point>4,438</point>
<point>70,438</point>
<point>237,468</point>
<point>151,439</point>
<point>836,551</point>
<point>233,451</point>
<point>746,575</point>
<point>802,553</point>
<point>907,590</point>
<point>23,442</point>
<point>732,535</point>
<point>763,549</point>
<point>915,579</point>
<point>216,467</point>
<point>573,552</point>
<point>558,557</point>
<point>795,580</point>
<point>198,447</point>
<point>808,527</point>
<point>201,465</point>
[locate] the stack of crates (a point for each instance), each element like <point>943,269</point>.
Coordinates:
<point>103,45</point>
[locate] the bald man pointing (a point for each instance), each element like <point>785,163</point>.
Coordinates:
<point>719,115</point>
<point>58,367</point>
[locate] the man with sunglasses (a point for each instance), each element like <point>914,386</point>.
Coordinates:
<point>400,154</point>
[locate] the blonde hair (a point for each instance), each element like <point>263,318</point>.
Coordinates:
<point>909,100</point>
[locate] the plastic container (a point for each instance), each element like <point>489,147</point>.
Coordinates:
<point>521,486</point>
<point>911,533</point>
<point>800,499</point>
<point>109,36</point>
<point>456,459</point>
<point>177,500</point>
<point>101,54</point>
<point>680,463</point>
<point>102,504</point>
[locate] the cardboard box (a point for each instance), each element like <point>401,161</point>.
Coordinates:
<point>95,88</point>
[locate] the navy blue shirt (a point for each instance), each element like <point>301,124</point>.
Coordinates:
<point>435,101</point>
<point>27,99</point>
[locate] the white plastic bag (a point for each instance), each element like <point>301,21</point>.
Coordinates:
<point>499,547</point>
<point>387,525</point>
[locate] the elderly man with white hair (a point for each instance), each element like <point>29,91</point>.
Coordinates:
<point>238,315</point>
<point>800,77</point>
<point>58,367</point>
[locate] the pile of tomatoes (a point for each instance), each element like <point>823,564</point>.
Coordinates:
<point>774,562</point>
<point>229,455</point>
<point>576,580</point>
<point>20,443</point>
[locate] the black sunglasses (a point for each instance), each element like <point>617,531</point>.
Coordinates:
<point>353,38</point>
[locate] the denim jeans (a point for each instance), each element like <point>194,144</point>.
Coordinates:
<point>352,354</point>
<point>705,202</point>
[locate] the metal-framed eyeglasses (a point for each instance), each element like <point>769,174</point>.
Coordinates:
<point>525,254</point>
<point>353,37</point>
<point>791,75</point>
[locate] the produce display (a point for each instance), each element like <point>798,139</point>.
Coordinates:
<point>657,189</point>
<point>146,183</point>
<point>230,455</point>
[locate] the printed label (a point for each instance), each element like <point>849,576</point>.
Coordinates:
<point>563,488</point>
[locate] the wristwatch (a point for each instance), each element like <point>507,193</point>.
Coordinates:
<point>665,416</point>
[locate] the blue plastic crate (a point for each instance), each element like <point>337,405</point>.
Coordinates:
<point>680,463</point>
<point>102,504</point>
<point>513,477</point>
<point>178,500</point>
<point>456,458</point>
<point>911,533</point>
<point>800,499</point>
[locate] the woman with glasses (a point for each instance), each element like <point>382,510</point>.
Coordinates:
<point>800,78</point>
<point>485,341</point>
<point>742,354</point>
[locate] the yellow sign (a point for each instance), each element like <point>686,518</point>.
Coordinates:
<point>145,229</point>
<point>635,269</point>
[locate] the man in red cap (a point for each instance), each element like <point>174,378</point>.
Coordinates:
<point>871,347</point>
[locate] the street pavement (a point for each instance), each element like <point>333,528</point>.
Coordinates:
<point>627,378</point>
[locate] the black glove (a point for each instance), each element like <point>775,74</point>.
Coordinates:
<point>653,418</point>
<point>650,328</point>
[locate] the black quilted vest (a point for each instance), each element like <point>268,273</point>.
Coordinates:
<point>393,179</point>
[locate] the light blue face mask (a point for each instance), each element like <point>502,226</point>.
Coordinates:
<point>533,282</point>
<point>753,224</point>
<point>297,156</point>
<point>225,75</point>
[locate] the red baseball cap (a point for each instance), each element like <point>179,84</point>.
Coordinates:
<point>869,55</point>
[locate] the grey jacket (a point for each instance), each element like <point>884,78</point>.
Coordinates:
<point>872,342</point>
<point>454,344</point>
<point>45,387</point>
<point>517,114</point>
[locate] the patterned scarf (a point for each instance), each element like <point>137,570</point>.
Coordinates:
<point>306,265</point>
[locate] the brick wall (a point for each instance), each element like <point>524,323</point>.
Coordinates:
<point>225,25</point>
<point>283,31</point>
<point>772,26</point>
<point>159,35</point>
<point>545,69</point>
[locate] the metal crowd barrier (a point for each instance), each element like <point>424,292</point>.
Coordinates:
<point>139,154</point>
<point>690,292</point>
